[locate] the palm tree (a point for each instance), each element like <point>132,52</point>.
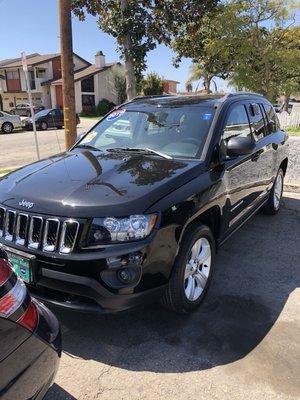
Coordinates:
<point>197,72</point>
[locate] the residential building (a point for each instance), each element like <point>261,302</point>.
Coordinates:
<point>92,84</point>
<point>92,81</point>
<point>170,86</point>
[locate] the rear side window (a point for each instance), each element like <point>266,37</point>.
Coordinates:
<point>237,123</point>
<point>257,121</point>
<point>273,123</point>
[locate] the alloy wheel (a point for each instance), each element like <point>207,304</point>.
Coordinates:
<point>197,269</point>
<point>278,186</point>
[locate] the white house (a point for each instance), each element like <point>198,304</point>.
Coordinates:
<point>92,84</point>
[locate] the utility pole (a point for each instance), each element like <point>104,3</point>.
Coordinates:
<point>66,49</point>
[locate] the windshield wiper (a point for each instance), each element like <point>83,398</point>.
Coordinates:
<point>87,146</point>
<point>138,150</point>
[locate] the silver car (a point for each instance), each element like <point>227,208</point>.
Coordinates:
<point>9,122</point>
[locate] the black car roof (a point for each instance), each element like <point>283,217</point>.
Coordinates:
<point>177,100</point>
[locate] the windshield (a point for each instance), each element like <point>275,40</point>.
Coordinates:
<point>170,131</point>
<point>42,113</point>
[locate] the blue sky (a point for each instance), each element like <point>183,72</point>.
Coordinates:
<point>18,34</point>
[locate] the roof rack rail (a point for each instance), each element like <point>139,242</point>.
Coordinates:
<point>245,93</point>
<point>154,96</point>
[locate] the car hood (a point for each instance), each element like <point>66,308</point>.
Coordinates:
<point>83,183</point>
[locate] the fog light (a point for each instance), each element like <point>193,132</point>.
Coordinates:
<point>124,275</point>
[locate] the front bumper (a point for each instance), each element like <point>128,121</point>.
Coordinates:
<point>87,281</point>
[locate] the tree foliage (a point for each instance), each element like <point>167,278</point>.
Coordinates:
<point>118,83</point>
<point>251,42</point>
<point>138,26</point>
<point>152,85</point>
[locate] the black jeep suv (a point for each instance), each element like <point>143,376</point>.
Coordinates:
<point>136,210</point>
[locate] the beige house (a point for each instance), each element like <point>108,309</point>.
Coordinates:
<point>92,84</point>
<point>92,81</point>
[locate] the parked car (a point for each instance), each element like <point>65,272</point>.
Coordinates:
<point>120,220</point>
<point>30,338</point>
<point>49,118</point>
<point>9,122</point>
<point>24,109</point>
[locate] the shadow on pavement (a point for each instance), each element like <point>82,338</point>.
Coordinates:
<point>256,271</point>
<point>58,393</point>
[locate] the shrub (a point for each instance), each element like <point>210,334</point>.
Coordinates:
<point>104,106</point>
<point>152,85</point>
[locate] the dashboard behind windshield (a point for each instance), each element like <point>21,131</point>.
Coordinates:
<point>179,132</point>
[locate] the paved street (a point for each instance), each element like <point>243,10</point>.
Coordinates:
<point>18,148</point>
<point>243,343</point>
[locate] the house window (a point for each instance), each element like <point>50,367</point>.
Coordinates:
<point>88,103</point>
<point>40,73</point>
<point>13,81</point>
<point>31,80</point>
<point>87,85</point>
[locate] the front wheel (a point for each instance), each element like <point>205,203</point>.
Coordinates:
<point>43,126</point>
<point>273,204</point>
<point>192,271</point>
<point>7,127</point>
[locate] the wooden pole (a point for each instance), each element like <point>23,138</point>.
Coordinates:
<point>67,67</point>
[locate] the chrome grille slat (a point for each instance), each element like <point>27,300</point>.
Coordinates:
<point>2,220</point>
<point>35,232</point>
<point>49,234</point>
<point>21,228</point>
<point>68,236</point>
<point>51,231</point>
<point>9,228</point>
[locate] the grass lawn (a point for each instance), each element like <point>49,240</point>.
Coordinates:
<point>293,131</point>
<point>95,117</point>
<point>5,171</point>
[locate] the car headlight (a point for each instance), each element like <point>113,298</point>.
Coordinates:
<point>115,230</point>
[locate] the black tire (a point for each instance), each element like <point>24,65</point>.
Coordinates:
<point>175,297</point>
<point>7,127</point>
<point>43,125</point>
<point>59,127</point>
<point>272,206</point>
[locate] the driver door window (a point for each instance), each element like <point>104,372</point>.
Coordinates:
<point>237,123</point>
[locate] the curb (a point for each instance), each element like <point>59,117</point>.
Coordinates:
<point>289,187</point>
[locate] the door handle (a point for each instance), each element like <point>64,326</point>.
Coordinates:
<point>255,157</point>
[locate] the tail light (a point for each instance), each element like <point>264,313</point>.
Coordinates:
<point>15,301</point>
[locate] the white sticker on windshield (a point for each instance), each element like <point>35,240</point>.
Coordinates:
<point>89,137</point>
<point>115,114</point>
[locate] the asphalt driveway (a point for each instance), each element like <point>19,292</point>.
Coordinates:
<point>243,343</point>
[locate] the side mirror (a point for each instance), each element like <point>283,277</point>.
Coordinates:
<point>239,146</point>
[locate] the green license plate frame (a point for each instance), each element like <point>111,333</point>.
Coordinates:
<point>22,266</point>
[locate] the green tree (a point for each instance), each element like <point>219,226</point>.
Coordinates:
<point>153,84</point>
<point>250,42</point>
<point>197,72</point>
<point>138,26</point>
<point>118,83</point>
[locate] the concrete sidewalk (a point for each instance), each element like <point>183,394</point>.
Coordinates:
<point>18,148</point>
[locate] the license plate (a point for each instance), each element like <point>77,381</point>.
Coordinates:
<point>21,267</point>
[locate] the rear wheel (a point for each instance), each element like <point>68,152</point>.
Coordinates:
<point>7,127</point>
<point>59,127</point>
<point>273,204</point>
<point>192,271</point>
<point>43,125</point>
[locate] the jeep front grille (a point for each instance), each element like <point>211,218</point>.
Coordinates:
<point>38,232</point>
